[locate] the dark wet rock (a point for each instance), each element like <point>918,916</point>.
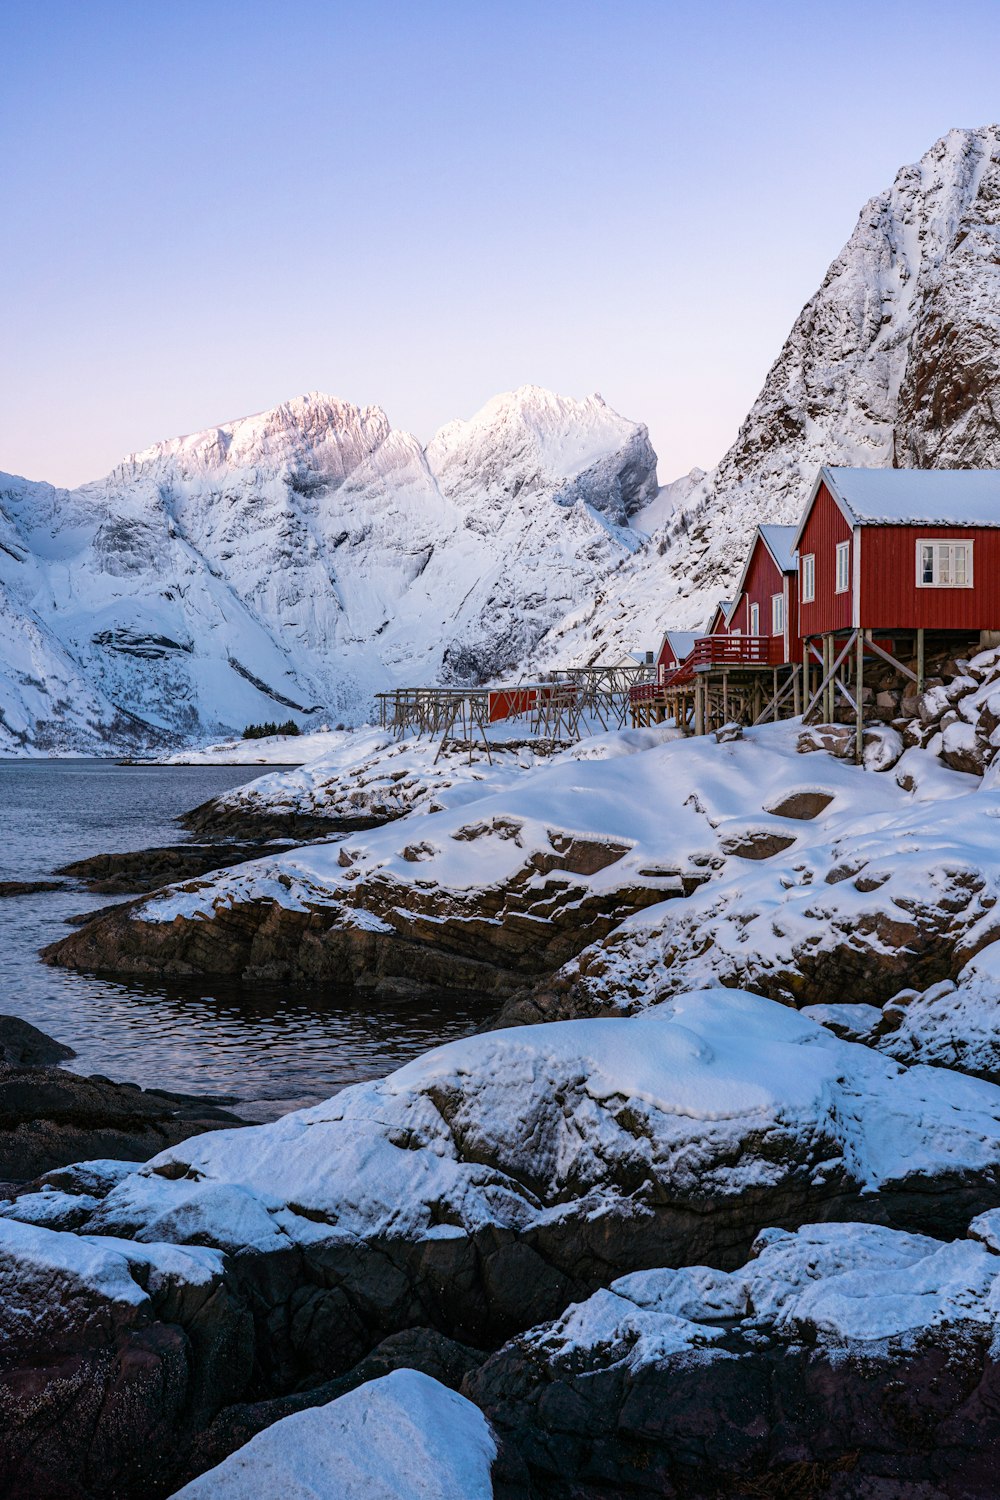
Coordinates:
<point>50,1117</point>
<point>23,1045</point>
<point>134,872</point>
<point>111,1358</point>
<point>28,887</point>
<point>218,820</point>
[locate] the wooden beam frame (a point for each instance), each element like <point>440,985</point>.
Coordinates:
<point>830,673</point>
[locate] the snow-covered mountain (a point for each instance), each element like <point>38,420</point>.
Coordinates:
<point>894,361</point>
<point>300,560</point>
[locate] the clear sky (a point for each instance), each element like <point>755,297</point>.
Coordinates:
<point>211,205</point>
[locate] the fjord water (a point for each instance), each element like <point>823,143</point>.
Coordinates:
<point>272,1047</point>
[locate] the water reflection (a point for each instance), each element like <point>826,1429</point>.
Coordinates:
<point>272,1046</point>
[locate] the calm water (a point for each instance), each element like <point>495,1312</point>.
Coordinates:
<point>273,1048</point>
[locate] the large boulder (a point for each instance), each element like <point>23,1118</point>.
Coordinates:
<point>842,1360</point>
<point>50,1117</point>
<point>403,1437</point>
<point>484,1185</point>
<point>111,1354</point>
<point>482,1188</point>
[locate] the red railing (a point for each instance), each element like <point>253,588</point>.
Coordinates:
<point>644,692</point>
<point>715,651</point>
<point>737,650</point>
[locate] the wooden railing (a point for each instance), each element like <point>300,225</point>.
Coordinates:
<point>737,650</point>
<point>715,651</point>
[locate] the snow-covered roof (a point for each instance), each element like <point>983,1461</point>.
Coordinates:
<point>780,542</point>
<point>681,642</point>
<point>923,497</point>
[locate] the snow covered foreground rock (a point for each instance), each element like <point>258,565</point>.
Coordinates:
<point>404,1437</point>
<point>299,561</point>
<point>843,1360</point>
<point>476,1191</point>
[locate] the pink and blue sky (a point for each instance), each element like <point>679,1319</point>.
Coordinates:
<point>209,206</point>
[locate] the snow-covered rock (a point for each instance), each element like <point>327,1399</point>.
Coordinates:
<point>537,1130</point>
<point>954,1023</point>
<point>481,1189</point>
<point>838,1352</point>
<point>298,561</point>
<point>404,1437</point>
<point>369,776</point>
<point>677,864</point>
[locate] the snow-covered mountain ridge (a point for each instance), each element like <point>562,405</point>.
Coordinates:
<point>302,559</point>
<point>895,361</point>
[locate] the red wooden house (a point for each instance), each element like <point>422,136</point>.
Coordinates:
<point>900,550</point>
<point>675,648</point>
<point>719,622</point>
<point>761,620</point>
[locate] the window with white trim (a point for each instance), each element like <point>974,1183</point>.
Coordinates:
<point>807,568</point>
<point>843,567</point>
<point>777,614</point>
<point>944,565</point>
<point>755,619</point>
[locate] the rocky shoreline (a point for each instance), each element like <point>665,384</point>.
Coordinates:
<point>607,1232</point>
<point>51,1118</point>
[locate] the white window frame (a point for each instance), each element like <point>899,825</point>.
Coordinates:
<point>843,564</point>
<point>753,621</point>
<point>807,568</point>
<point>777,614</point>
<point>951,546</point>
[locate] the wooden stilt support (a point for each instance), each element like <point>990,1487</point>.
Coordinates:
<point>859,677</point>
<point>797,690</point>
<point>920,660</point>
<point>873,645</point>
<point>829,675</point>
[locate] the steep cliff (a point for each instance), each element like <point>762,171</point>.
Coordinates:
<point>894,361</point>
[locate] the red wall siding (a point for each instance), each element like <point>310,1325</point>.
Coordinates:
<point>718,624</point>
<point>667,659</point>
<point>889,594</point>
<point>792,651</point>
<point>763,580</point>
<point>825,527</point>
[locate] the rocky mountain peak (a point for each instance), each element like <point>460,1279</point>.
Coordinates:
<point>531,442</point>
<point>323,433</point>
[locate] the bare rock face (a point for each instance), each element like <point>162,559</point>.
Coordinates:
<point>141,870</point>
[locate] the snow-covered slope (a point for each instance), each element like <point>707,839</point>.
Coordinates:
<point>894,361</point>
<point>300,560</point>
